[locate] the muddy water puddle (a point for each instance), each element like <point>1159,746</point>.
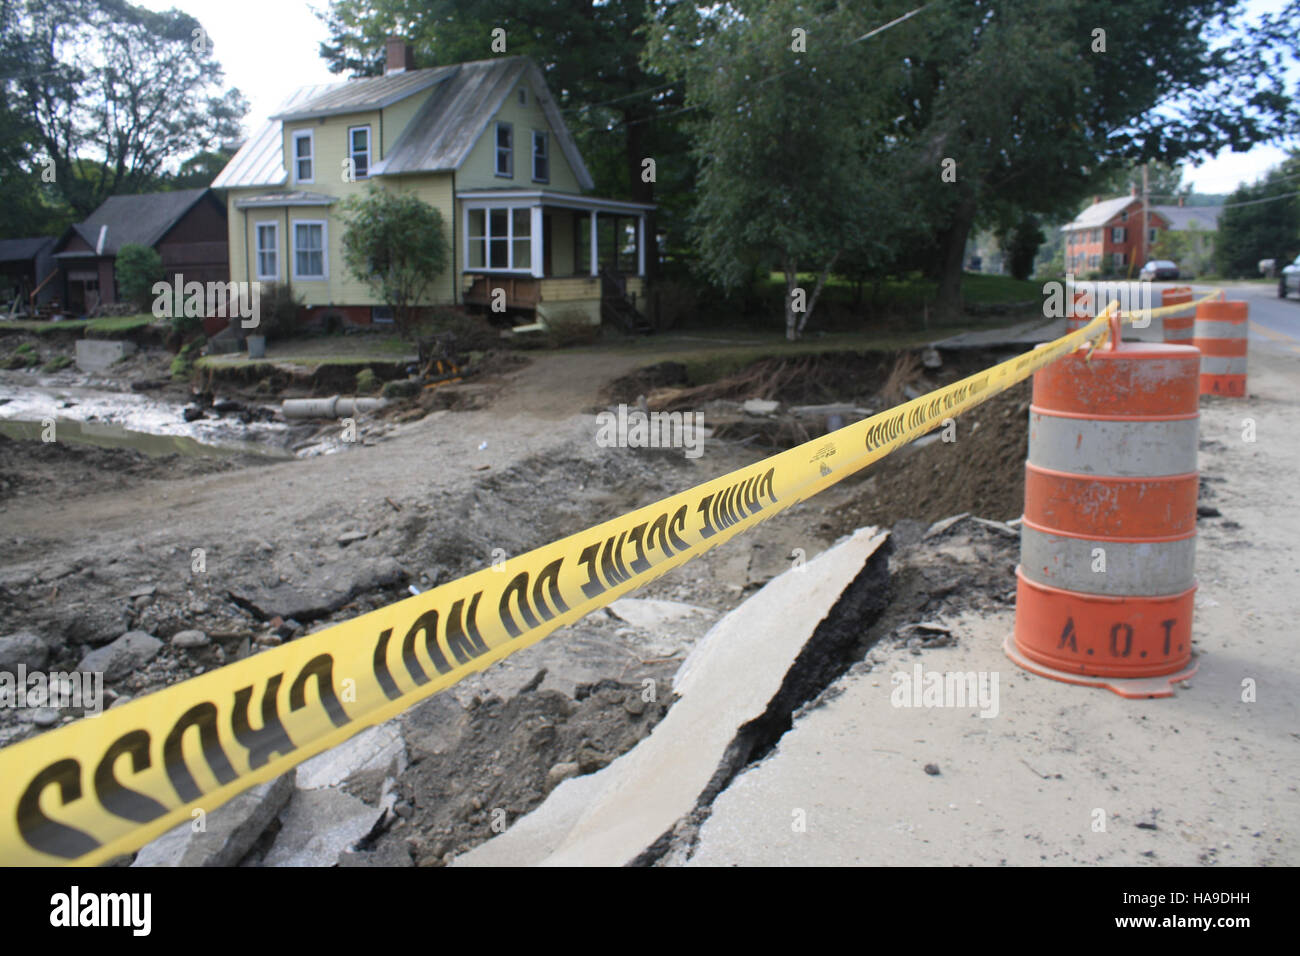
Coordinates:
<point>127,420</point>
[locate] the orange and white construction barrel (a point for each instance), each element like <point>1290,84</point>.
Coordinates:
<point>1221,340</point>
<point>1177,329</point>
<point>1106,578</point>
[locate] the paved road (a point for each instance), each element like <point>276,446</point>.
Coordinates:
<point>1274,322</point>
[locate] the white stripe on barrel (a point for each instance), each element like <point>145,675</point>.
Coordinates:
<point>1109,566</point>
<point>1119,447</point>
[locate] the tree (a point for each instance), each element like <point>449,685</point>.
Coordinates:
<point>137,269</point>
<point>620,113</point>
<point>120,86</point>
<point>1020,246</point>
<point>1034,100</point>
<point>1261,221</point>
<point>785,174</point>
<point>395,242</point>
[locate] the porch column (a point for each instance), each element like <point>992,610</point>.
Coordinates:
<point>640,244</point>
<point>595,269</point>
<point>458,278</point>
<point>535,245</point>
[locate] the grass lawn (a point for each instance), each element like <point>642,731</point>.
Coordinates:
<point>325,350</point>
<point>114,324</point>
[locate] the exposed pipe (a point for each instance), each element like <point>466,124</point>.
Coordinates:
<point>332,407</point>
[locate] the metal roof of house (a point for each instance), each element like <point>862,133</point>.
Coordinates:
<point>19,250</point>
<point>1188,217</point>
<point>260,161</point>
<point>143,219</point>
<point>439,137</point>
<point>362,95</point>
<point>444,131</point>
<point>1099,213</point>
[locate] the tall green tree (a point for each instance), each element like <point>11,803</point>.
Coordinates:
<point>116,93</point>
<point>787,178</point>
<point>1261,221</point>
<point>1034,98</point>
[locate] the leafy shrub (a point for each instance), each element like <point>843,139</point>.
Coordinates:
<point>366,381</point>
<point>279,308</point>
<point>137,269</point>
<point>57,363</point>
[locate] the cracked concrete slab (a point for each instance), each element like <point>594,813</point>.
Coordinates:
<point>611,817</point>
<point>229,831</point>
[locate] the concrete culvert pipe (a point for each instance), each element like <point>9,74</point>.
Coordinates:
<point>332,407</point>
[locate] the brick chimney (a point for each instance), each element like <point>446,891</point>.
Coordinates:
<point>1133,190</point>
<point>399,56</point>
<point>1095,200</point>
<point>1180,200</point>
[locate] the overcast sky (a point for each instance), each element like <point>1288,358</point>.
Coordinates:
<point>270,47</point>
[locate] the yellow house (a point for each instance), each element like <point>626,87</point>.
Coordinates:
<point>482,142</point>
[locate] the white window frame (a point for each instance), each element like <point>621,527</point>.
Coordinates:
<point>509,150</point>
<point>273,251</point>
<point>510,209</point>
<point>1117,260</point>
<point>542,136</point>
<point>353,154</point>
<point>1151,234</point>
<point>1119,234</point>
<point>310,136</point>
<point>324,249</point>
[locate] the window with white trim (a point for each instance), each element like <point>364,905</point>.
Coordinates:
<point>500,238</point>
<point>359,150</point>
<point>310,256</point>
<point>1118,234</point>
<point>1117,259</point>
<point>505,148</point>
<point>541,156</point>
<point>304,156</point>
<point>268,250</point>
<point>1151,234</point>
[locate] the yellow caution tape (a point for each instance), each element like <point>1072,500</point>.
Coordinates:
<point>104,786</point>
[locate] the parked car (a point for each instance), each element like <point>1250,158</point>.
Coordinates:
<point>1289,280</point>
<point>1159,269</point>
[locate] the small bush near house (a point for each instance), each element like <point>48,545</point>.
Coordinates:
<point>57,363</point>
<point>138,268</point>
<point>366,381</point>
<point>279,311</point>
